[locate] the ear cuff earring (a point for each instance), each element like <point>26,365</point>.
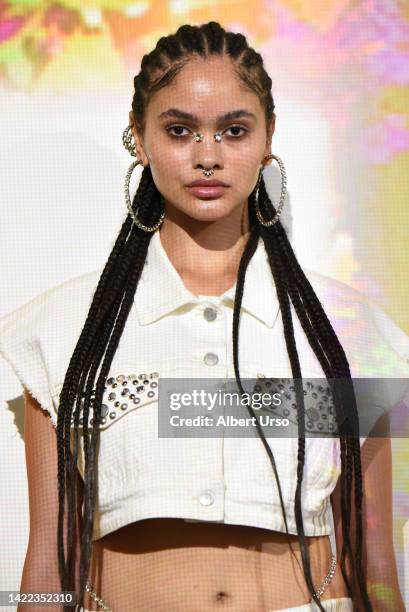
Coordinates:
<point>129,145</point>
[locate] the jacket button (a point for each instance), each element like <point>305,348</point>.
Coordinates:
<point>210,359</point>
<point>209,313</point>
<point>207,498</point>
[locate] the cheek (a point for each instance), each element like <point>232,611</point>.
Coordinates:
<point>168,162</point>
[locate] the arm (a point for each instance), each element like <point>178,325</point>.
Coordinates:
<point>40,572</point>
<point>379,562</point>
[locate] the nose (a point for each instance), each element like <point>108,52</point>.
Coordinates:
<point>207,153</point>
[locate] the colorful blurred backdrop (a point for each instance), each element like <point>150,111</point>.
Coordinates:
<point>340,72</point>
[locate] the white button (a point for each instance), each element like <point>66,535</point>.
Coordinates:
<point>210,313</point>
<point>210,359</point>
<point>206,498</point>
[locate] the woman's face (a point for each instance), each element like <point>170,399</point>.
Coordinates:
<point>207,89</point>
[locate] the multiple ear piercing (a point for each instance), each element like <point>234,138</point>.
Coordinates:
<point>129,145</point>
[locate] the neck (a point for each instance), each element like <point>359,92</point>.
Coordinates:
<point>206,255</point>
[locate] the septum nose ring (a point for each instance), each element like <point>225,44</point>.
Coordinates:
<point>199,138</point>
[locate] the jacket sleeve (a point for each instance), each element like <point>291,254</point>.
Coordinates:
<point>20,346</point>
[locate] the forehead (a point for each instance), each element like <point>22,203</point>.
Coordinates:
<point>206,87</point>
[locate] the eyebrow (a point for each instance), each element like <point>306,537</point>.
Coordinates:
<point>179,114</point>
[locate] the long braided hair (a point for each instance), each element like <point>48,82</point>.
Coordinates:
<point>113,298</point>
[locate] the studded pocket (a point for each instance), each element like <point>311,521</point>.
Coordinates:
<point>320,415</point>
<point>123,393</point>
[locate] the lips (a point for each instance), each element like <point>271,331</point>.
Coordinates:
<point>203,191</point>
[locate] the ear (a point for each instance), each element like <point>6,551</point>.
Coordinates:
<point>269,137</point>
<point>140,151</point>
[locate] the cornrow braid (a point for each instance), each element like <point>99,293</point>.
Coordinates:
<point>114,295</point>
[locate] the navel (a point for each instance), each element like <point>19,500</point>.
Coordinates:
<point>222,597</point>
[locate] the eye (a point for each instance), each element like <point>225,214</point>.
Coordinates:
<point>237,127</point>
<point>182,127</point>
<point>177,127</point>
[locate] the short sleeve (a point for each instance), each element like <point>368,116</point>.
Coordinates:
<point>20,346</point>
<point>38,339</point>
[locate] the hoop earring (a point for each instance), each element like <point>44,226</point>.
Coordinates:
<point>145,228</point>
<point>283,192</point>
<point>128,142</point>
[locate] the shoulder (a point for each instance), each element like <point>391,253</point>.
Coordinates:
<point>38,338</point>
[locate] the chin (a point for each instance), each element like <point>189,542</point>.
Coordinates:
<point>209,213</point>
<point>210,206</point>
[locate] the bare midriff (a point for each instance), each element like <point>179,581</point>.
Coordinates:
<point>170,565</point>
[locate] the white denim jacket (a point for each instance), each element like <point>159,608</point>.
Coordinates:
<point>172,333</point>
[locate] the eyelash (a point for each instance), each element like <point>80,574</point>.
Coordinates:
<point>182,126</point>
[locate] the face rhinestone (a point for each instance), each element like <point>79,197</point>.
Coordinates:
<point>198,137</point>
<point>218,137</point>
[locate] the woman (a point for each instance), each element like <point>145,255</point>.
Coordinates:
<point>199,241</point>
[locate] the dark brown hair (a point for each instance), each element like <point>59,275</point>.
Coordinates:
<point>114,296</point>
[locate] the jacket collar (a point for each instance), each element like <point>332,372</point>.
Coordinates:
<point>165,291</point>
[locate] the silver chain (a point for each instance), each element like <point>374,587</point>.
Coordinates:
<point>103,606</point>
<point>100,602</point>
<point>328,577</point>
